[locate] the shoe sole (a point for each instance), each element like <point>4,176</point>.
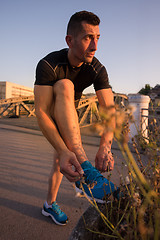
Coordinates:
<point>46,214</point>
<point>96,199</point>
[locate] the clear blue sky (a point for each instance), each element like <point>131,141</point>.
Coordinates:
<point>129,45</point>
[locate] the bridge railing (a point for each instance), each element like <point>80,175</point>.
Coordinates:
<point>150,122</point>
<point>87,108</point>
<point>17,106</point>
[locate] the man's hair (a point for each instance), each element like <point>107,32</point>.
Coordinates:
<point>74,24</point>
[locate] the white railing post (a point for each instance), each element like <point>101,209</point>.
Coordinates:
<point>140,104</point>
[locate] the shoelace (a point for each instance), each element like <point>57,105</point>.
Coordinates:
<point>56,208</point>
<point>92,176</point>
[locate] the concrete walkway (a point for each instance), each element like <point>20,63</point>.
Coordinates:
<point>25,162</point>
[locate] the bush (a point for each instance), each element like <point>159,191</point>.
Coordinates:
<point>137,214</point>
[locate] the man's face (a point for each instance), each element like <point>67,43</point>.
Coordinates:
<point>84,45</point>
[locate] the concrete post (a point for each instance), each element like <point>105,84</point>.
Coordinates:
<point>140,104</point>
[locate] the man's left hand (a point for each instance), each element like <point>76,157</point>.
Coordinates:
<point>104,160</point>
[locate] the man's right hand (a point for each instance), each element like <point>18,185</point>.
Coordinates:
<point>70,167</point>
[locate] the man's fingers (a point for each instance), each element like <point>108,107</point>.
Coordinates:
<point>72,179</point>
<point>99,164</point>
<point>78,168</point>
<point>71,174</point>
<point>105,163</point>
<point>111,162</point>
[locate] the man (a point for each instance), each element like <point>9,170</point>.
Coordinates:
<point>61,78</point>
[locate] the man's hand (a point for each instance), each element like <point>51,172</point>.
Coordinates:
<point>104,160</point>
<point>70,167</point>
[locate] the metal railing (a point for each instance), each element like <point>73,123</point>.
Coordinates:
<point>150,122</point>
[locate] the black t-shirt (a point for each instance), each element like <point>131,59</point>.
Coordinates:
<point>55,66</point>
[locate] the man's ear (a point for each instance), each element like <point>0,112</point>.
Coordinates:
<point>69,40</point>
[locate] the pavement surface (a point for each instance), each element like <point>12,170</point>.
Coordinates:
<point>25,162</point>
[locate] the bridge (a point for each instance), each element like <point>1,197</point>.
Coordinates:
<point>13,107</point>
<point>24,106</point>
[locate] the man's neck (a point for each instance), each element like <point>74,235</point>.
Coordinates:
<point>72,60</point>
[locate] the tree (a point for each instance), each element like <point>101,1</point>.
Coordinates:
<point>146,90</point>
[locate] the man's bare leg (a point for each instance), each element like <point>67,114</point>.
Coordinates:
<point>50,207</point>
<point>67,119</point>
<point>55,179</point>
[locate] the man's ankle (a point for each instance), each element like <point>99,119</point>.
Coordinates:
<point>49,203</point>
<point>81,162</point>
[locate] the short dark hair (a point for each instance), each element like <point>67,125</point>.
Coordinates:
<point>74,24</point>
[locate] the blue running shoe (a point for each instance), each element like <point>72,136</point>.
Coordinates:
<point>55,213</point>
<point>96,185</point>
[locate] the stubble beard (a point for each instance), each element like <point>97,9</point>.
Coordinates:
<point>87,59</point>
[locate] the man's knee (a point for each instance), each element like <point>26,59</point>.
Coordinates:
<point>63,86</point>
<point>63,92</point>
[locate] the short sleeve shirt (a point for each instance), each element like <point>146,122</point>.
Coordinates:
<point>55,66</point>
